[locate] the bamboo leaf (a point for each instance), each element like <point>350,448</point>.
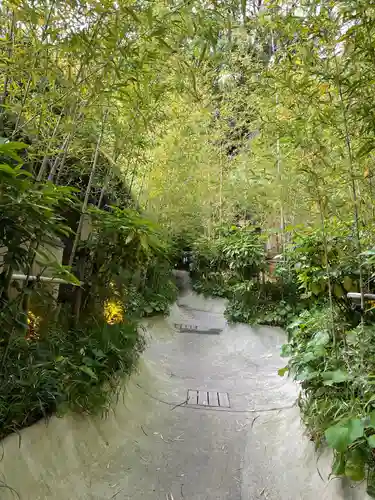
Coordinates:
<point>86,369</point>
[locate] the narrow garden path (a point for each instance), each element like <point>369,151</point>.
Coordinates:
<point>255,448</point>
<point>246,443</point>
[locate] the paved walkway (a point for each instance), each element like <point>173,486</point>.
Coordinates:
<point>255,449</point>
<point>155,446</point>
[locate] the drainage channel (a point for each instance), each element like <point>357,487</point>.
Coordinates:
<point>183,328</point>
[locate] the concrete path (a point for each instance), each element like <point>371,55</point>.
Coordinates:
<point>255,449</point>
<point>155,446</point>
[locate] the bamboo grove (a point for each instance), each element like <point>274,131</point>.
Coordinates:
<point>85,93</point>
<point>242,131</point>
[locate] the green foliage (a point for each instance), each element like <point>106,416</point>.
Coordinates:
<point>231,266</point>
<point>269,303</point>
<point>64,368</point>
<point>159,290</point>
<point>122,241</point>
<point>90,103</point>
<point>54,357</point>
<point>335,366</point>
<point>215,284</point>
<point>207,117</point>
<point>274,314</point>
<point>322,259</point>
<point>129,258</point>
<point>235,254</point>
<point>243,252</point>
<point>205,256</point>
<point>127,237</point>
<point>29,213</point>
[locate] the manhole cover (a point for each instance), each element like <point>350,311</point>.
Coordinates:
<point>208,398</point>
<point>195,329</point>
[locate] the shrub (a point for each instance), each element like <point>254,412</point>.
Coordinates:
<point>215,284</point>
<point>270,303</point>
<point>235,254</point>
<point>64,368</point>
<point>159,289</point>
<point>129,258</point>
<point>317,259</point>
<point>69,352</point>
<point>335,365</point>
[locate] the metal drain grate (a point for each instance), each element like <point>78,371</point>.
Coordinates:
<point>188,328</point>
<point>208,398</point>
<point>194,329</point>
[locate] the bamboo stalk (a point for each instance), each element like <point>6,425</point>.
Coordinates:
<point>78,81</point>
<point>109,175</point>
<point>278,164</point>
<point>330,295</point>
<point>140,192</point>
<point>105,185</point>
<point>221,188</point>
<point>10,52</point>
<point>81,263</point>
<point>58,158</point>
<point>352,179</point>
<point>45,161</point>
<point>26,93</point>
<point>87,194</point>
<point>59,162</point>
<point>134,170</point>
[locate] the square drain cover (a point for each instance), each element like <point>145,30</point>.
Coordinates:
<point>186,328</point>
<point>195,329</point>
<point>208,398</point>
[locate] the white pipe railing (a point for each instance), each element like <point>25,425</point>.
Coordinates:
<point>357,295</point>
<point>44,279</point>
